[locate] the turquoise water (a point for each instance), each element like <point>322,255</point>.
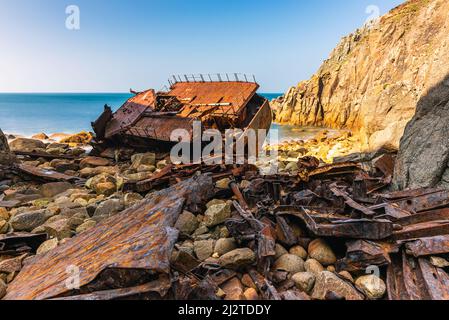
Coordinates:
<point>28,114</point>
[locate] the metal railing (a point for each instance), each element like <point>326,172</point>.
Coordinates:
<point>212,77</point>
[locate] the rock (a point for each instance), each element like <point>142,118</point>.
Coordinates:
<point>83,138</point>
<point>372,286</point>
<point>187,223</point>
<point>91,172</point>
<point>102,184</point>
<point>138,176</point>
<point>131,198</point>
<point>247,281</point>
<point>109,207</point>
<point>214,202</point>
<point>146,168</point>
<point>162,164</point>
<point>106,188</point>
<point>331,268</point>
<point>202,229</point>
<point>3,289</point>
<point>327,283</point>
<point>74,212</point>
<point>280,251</point>
<point>76,152</point>
<point>320,251</point>
<point>375,92</point>
<point>143,158</point>
<point>49,190</point>
<point>223,183</point>
<point>220,293</point>
<point>56,145</point>
<point>47,246</point>
<point>40,136</point>
<point>4,226</point>
<point>56,151</point>
<point>186,246</point>
<point>292,167</point>
<point>4,214</point>
<point>233,289</point>
<point>59,229</point>
<point>217,214</point>
<point>94,162</point>
<point>299,251</point>
<point>203,249</point>
<point>422,161</point>
<point>439,262</point>
<point>346,275</point>
<point>4,146</point>
<point>290,263</point>
<point>224,246</point>
<point>26,145</point>
<point>250,294</point>
<point>237,258</point>
<point>86,225</point>
<point>304,281</point>
<point>29,220</point>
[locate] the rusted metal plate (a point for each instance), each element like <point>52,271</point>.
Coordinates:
<point>419,230</point>
<point>335,170</point>
<point>160,128</point>
<point>409,193</point>
<point>139,238</point>
<point>426,202</point>
<point>44,174</point>
<point>423,224</point>
<point>236,94</point>
<point>350,202</point>
<point>159,287</point>
<point>428,246</point>
<point>328,226</point>
<point>361,254</point>
<point>263,118</point>
<point>44,155</point>
<point>385,164</point>
<point>130,112</point>
<point>409,278</point>
<point>428,216</point>
<point>332,225</point>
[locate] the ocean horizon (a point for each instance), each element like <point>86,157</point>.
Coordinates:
<point>27,114</point>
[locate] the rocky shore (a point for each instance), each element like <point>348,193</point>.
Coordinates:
<point>142,228</point>
<point>64,210</point>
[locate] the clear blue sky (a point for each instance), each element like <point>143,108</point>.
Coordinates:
<point>139,43</point>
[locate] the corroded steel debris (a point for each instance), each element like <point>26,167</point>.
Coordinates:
<point>134,246</point>
<point>222,231</point>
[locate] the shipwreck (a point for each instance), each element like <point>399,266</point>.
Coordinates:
<point>147,119</point>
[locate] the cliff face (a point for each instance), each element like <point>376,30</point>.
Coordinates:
<point>374,78</point>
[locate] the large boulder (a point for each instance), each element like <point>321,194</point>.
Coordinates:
<point>328,284</point>
<point>27,145</point>
<point>4,147</point>
<point>423,159</point>
<point>6,157</point>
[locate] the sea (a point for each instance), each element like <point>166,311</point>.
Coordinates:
<point>32,113</point>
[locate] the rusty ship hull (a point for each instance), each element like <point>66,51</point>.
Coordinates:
<point>147,119</point>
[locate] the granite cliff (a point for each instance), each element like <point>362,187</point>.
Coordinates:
<point>374,78</point>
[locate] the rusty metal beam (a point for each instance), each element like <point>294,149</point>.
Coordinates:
<point>139,238</point>
<point>428,246</point>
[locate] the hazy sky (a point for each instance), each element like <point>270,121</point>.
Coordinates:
<point>140,43</point>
